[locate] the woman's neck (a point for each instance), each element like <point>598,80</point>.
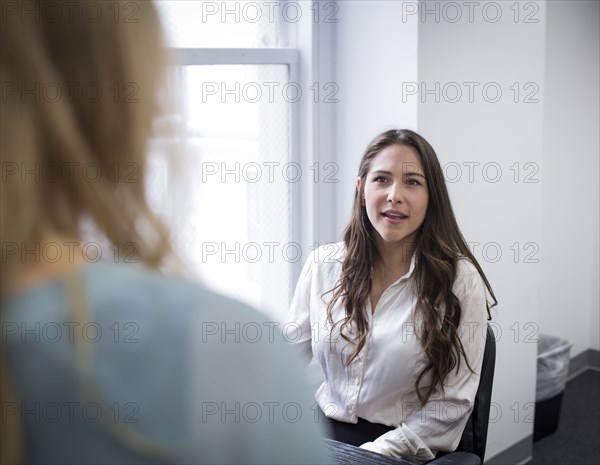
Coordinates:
<point>35,264</point>
<point>393,260</point>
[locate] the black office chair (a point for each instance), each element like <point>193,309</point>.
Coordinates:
<point>474,436</point>
<point>471,448</point>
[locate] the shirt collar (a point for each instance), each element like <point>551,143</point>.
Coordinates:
<point>409,272</point>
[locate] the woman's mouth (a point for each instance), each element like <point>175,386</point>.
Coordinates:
<point>394,217</point>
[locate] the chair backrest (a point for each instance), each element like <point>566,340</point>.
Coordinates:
<point>474,436</point>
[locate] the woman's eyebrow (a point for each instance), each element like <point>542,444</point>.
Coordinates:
<point>414,173</point>
<point>406,173</point>
<point>381,172</point>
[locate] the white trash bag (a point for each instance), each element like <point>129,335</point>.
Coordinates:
<point>552,366</point>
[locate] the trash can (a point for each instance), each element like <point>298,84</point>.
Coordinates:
<point>552,371</point>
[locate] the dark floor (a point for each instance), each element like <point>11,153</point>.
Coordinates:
<point>577,439</point>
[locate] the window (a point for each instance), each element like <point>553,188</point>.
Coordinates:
<point>231,202</point>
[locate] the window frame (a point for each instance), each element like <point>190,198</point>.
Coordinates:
<point>311,124</point>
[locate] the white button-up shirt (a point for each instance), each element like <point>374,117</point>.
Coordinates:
<point>379,384</point>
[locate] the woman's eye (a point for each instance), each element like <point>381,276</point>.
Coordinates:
<point>413,182</point>
<point>379,179</point>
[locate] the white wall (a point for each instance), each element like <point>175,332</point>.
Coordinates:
<point>375,52</point>
<point>570,193</point>
<point>493,204</point>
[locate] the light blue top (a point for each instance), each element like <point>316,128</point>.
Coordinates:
<point>202,375</point>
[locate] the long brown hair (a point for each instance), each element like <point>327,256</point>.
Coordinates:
<point>439,246</point>
<point>79,90</point>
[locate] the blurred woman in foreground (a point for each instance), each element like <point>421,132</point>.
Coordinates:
<point>104,361</point>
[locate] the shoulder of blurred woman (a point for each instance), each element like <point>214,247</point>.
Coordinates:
<point>170,351</point>
<point>114,285</point>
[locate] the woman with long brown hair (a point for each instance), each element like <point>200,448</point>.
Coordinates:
<point>104,360</point>
<point>395,315</point>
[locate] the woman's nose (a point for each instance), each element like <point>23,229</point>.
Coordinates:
<point>395,194</point>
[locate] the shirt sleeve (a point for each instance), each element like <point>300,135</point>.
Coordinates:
<point>297,323</point>
<point>439,424</point>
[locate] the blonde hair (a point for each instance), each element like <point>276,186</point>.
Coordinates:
<point>79,98</point>
<point>80,91</point>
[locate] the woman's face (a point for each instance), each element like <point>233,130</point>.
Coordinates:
<point>396,195</point>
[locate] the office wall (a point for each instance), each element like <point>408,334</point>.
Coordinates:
<point>490,141</point>
<point>570,171</point>
<point>375,53</point>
